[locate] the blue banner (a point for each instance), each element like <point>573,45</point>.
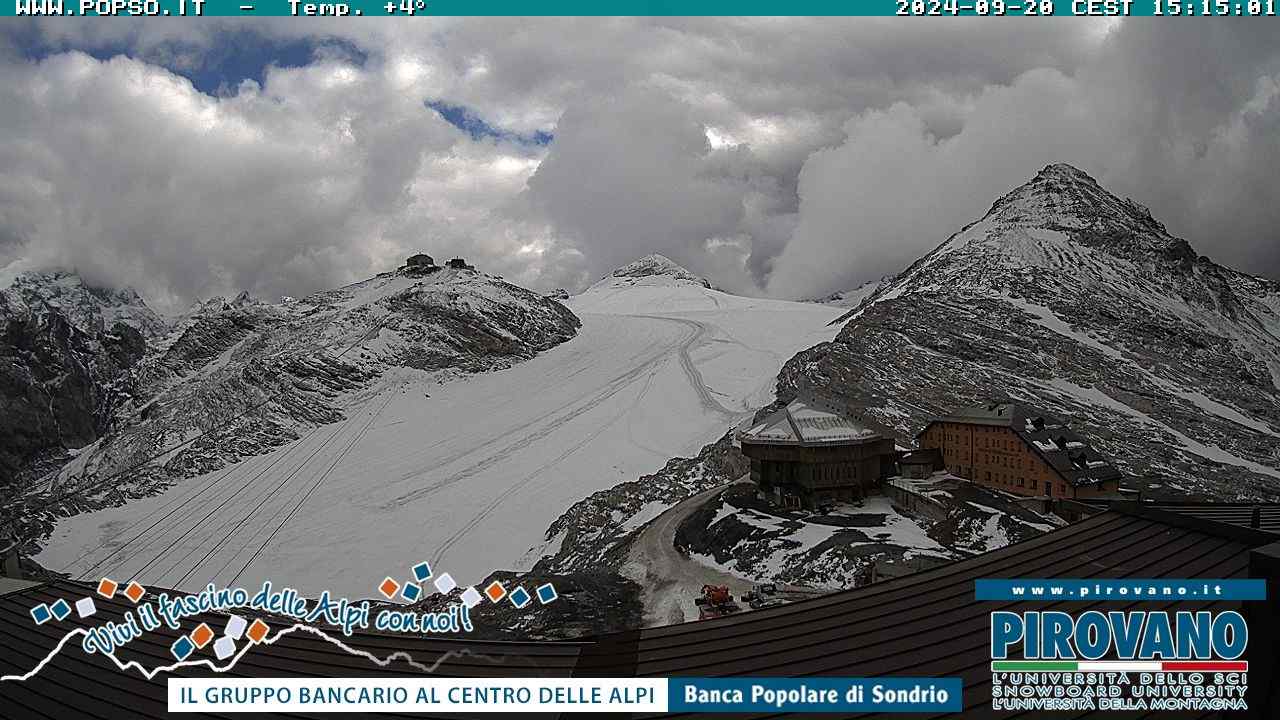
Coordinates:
<point>1120,589</point>
<point>814,695</point>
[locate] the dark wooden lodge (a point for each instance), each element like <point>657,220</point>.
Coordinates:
<point>811,453</point>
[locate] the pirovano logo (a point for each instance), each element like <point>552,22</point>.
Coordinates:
<point>1120,660</point>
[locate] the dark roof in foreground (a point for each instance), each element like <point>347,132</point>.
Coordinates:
<point>1263,516</point>
<point>926,624</point>
<point>1065,450</point>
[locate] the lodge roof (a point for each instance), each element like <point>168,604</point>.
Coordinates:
<point>1063,449</point>
<point>923,625</point>
<point>931,456</point>
<point>809,421</point>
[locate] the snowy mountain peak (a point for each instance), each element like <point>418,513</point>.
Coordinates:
<point>1072,299</point>
<point>1063,170</point>
<point>89,307</point>
<point>1061,196</point>
<point>1053,236</point>
<point>657,266</point>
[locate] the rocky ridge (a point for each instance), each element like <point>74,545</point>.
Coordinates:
<point>237,378</point>
<point>1070,298</point>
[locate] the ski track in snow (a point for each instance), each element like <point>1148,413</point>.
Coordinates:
<point>469,473</point>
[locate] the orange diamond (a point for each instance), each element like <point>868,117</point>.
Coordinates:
<point>258,630</point>
<point>107,588</point>
<point>135,591</point>
<point>202,635</point>
<point>388,588</point>
<point>495,591</point>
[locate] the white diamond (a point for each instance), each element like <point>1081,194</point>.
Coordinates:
<point>236,626</point>
<point>445,583</point>
<point>224,648</point>
<point>470,597</point>
<point>86,607</point>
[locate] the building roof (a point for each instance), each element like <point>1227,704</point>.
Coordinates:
<point>1063,449</point>
<point>923,456</point>
<point>1262,516</point>
<point>926,624</point>
<point>808,421</point>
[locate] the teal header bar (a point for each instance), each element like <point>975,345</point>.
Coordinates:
<point>413,8</point>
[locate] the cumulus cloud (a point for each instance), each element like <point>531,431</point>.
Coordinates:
<point>1189,133</point>
<point>790,156</point>
<point>634,172</point>
<point>124,171</point>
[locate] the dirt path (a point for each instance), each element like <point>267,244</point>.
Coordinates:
<point>671,579</point>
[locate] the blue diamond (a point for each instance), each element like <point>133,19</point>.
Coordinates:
<point>411,591</point>
<point>182,648</point>
<point>41,614</point>
<point>422,572</point>
<point>60,609</point>
<point>546,593</point>
<point>520,597</point>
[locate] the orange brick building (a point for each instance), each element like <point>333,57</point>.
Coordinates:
<point>1019,450</point>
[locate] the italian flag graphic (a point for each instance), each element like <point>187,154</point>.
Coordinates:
<point>1118,666</point>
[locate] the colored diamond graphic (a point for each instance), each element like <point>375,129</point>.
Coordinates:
<point>107,588</point>
<point>470,597</point>
<point>258,630</point>
<point>520,597</point>
<point>41,614</point>
<point>224,648</point>
<point>202,635</point>
<point>422,572</point>
<point>495,591</point>
<point>85,607</point>
<point>182,648</point>
<point>388,588</point>
<point>411,591</point>
<point>547,593</point>
<point>235,627</point>
<point>135,592</point>
<point>60,609</point>
<point>445,583</point>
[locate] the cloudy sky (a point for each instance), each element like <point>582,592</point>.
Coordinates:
<point>787,157</point>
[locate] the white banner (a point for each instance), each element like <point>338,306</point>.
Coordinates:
<point>472,695</point>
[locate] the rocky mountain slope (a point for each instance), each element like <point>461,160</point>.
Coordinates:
<point>67,359</point>
<point>742,535</point>
<point>88,307</point>
<point>1068,297</point>
<point>855,297</point>
<point>237,378</point>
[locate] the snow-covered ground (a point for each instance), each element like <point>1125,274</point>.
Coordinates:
<point>776,545</point>
<point>467,474</point>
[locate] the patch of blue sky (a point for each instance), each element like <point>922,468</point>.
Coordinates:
<point>469,122</point>
<point>216,64</point>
